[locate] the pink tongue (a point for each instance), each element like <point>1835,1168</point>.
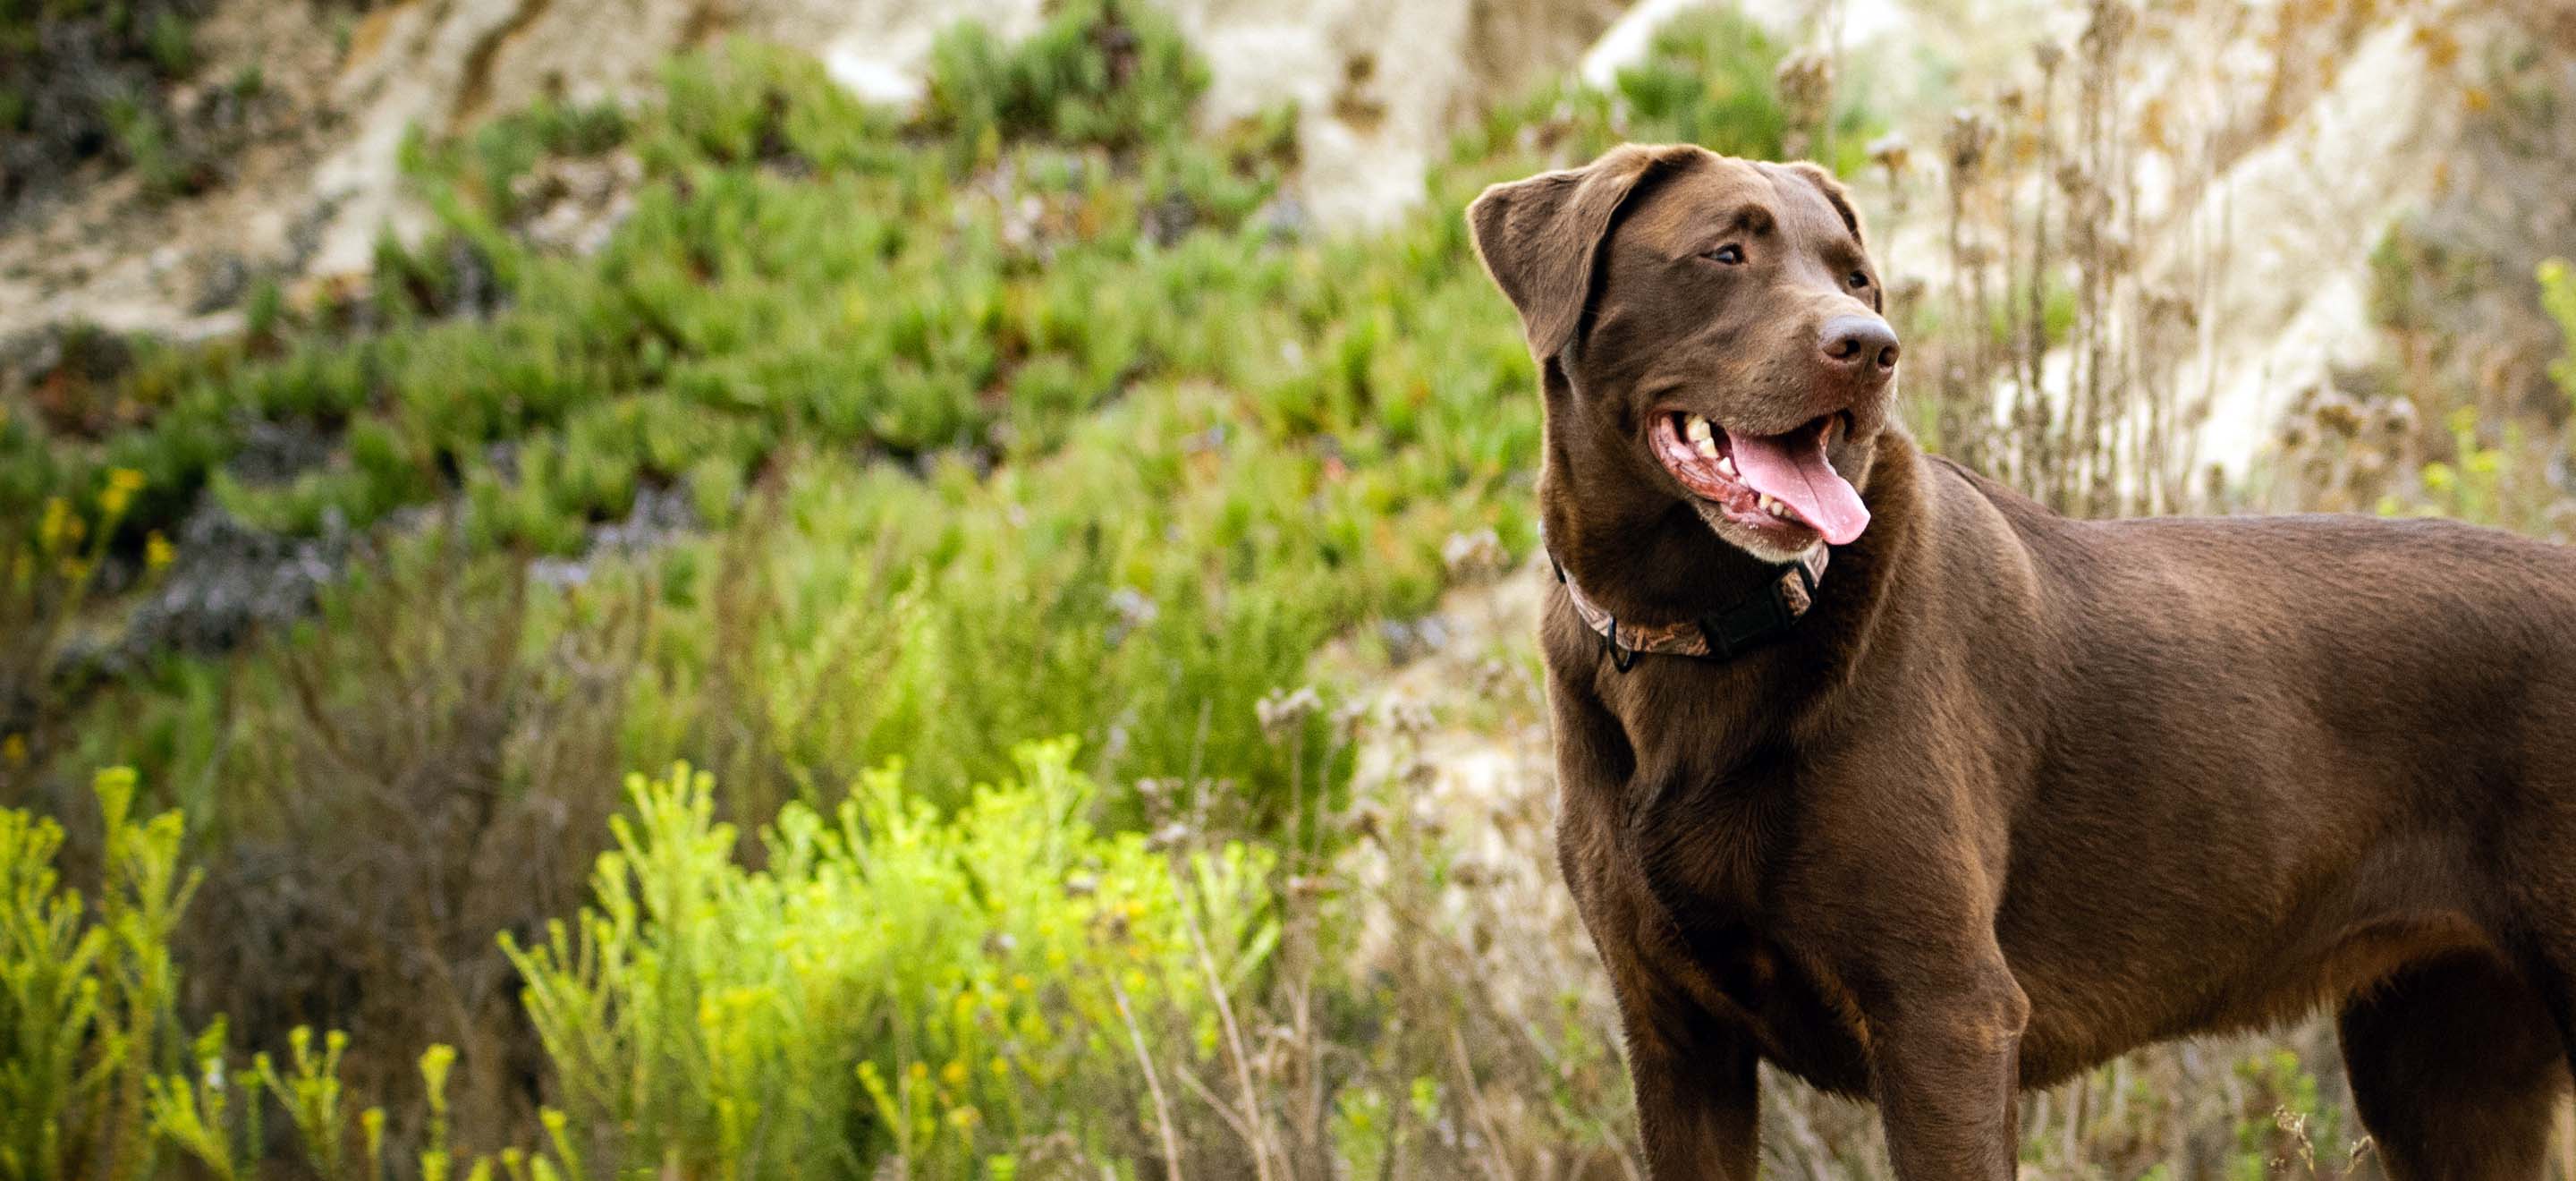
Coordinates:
<point>1791,468</point>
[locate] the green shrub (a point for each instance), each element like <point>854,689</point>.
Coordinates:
<point>947,990</point>
<point>88,1002</point>
<point>1707,77</point>
<point>950,992</point>
<point>1110,72</point>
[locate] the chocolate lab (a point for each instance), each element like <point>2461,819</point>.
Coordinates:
<point>1885,775</point>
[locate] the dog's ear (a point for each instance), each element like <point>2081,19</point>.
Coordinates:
<point>1817,175</point>
<point>1540,238</point>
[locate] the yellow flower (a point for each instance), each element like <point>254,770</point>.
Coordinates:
<point>122,484</point>
<point>953,1074</point>
<point>59,530</point>
<point>920,1071</point>
<point>965,1117</point>
<point>13,749</point>
<point>434,1064</point>
<point>158,553</point>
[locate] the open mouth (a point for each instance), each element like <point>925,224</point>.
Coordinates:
<point>1780,486</point>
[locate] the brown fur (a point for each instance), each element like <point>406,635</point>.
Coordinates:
<point>2021,792</point>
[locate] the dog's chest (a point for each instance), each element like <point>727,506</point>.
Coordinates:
<point>1705,860</point>
<point>1742,976</point>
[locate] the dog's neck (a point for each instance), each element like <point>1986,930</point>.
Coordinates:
<point>1647,567</point>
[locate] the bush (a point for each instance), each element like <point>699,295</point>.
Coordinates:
<point>1110,72</point>
<point>953,993</point>
<point>88,1003</point>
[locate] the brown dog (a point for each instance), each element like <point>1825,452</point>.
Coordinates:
<point>2015,793</point>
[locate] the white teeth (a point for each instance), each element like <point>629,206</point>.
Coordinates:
<point>1697,428</point>
<point>1725,465</point>
<point>1707,448</point>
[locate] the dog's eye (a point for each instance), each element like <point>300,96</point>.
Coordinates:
<point>1729,254</point>
<point>1859,280</point>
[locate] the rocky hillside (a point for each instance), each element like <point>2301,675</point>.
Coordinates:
<point>283,125</point>
<point>2268,150</point>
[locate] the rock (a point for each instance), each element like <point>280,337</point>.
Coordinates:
<point>276,452</point>
<point>229,580</point>
<point>222,282</point>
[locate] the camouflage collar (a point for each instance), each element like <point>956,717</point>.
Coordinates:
<point>1765,616</point>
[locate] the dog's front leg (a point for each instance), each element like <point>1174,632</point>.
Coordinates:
<point>1944,1056</point>
<point>1698,1098</point>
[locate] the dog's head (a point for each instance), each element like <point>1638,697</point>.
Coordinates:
<point>1717,325</point>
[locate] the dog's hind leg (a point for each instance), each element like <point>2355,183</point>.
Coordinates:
<point>2456,1066</point>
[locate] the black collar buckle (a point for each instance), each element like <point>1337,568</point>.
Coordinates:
<point>1757,620</point>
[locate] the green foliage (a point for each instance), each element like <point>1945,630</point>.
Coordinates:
<point>943,989</point>
<point>88,1003</point>
<point>2471,489</point>
<point>792,269</point>
<point>311,1094</point>
<point>82,78</point>
<point>2558,298</point>
<point>144,142</point>
<point>2286,1124</point>
<point>49,560</point>
<point>51,998</point>
<point>1109,72</point>
<point>795,267</point>
<point>1707,77</point>
<point>170,44</point>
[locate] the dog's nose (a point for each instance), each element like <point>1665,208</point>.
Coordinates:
<point>1861,344</point>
